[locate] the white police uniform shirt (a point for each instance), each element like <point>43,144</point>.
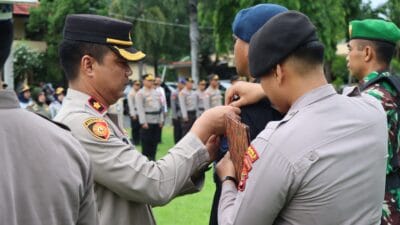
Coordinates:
<point>187,101</point>
<point>203,102</point>
<point>46,176</point>
<point>215,96</point>
<point>127,184</point>
<point>312,166</point>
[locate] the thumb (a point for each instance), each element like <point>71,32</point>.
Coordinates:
<point>238,103</point>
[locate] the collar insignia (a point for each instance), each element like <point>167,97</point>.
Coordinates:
<point>96,105</point>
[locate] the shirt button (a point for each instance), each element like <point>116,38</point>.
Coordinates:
<point>312,157</point>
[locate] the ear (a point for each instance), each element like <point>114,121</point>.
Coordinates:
<point>368,52</point>
<point>279,74</point>
<point>87,65</point>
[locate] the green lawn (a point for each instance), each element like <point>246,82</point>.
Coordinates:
<point>191,209</point>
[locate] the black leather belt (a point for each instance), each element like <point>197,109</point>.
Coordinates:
<point>153,113</point>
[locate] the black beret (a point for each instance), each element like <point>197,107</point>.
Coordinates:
<point>277,39</point>
<point>102,30</point>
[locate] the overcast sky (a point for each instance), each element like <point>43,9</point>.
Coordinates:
<point>376,3</point>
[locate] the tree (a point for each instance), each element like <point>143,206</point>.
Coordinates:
<point>46,23</point>
<point>28,65</point>
<point>194,39</point>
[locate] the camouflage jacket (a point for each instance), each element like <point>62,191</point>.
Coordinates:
<point>387,94</point>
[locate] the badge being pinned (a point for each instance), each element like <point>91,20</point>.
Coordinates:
<point>249,158</point>
<point>98,128</point>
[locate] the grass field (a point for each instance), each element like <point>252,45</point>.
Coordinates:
<point>191,209</point>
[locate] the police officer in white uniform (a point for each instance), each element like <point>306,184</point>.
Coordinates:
<point>176,113</point>
<point>214,94</point>
<point>94,56</point>
<point>46,177</point>
<point>188,103</point>
<point>149,104</point>
<point>310,167</point>
<point>203,99</point>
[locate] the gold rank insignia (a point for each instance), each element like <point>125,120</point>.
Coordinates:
<point>252,153</point>
<point>96,105</point>
<point>98,128</point>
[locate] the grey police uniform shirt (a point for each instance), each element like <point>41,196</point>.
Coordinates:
<point>203,102</point>
<point>215,96</point>
<point>46,176</point>
<point>187,102</point>
<point>132,103</point>
<point>149,106</point>
<point>175,107</point>
<point>323,163</point>
<point>126,182</point>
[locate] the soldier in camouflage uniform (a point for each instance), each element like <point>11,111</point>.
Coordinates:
<point>371,49</point>
<point>213,92</point>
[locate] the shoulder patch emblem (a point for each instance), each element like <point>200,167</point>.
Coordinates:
<point>96,105</point>
<point>98,128</point>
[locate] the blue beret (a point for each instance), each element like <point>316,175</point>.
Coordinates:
<point>249,20</point>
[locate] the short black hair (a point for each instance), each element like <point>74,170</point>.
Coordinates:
<point>71,53</point>
<point>311,53</point>
<point>384,51</point>
<point>307,57</point>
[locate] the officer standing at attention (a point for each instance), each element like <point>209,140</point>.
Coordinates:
<point>213,92</point>
<point>188,103</point>
<point>371,49</point>
<point>256,116</point>
<point>202,98</point>
<point>45,178</point>
<point>134,117</point>
<point>151,117</point>
<point>176,113</point>
<point>94,55</point>
<point>299,172</point>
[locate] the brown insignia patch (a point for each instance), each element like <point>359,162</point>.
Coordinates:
<point>249,158</point>
<point>96,105</point>
<point>98,128</point>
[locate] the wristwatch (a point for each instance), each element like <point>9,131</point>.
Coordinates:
<point>225,178</point>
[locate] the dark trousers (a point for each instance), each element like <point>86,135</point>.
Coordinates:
<point>149,141</point>
<point>188,124</point>
<point>177,129</point>
<point>215,204</point>
<point>135,131</point>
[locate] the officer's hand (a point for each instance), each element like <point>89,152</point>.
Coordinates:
<point>225,167</point>
<point>161,125</point>
<point>134,117</point>
<point>247,92</point>
<point>185,119</point>
<point>145,126</point>
<point>212,146</point>
<point>212,121</point>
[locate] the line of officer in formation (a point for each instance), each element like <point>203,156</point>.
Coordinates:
<point>147,109</point>
<point>188,104</point>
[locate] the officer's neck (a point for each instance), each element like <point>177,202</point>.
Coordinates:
<point>91,91</point>
<point>372,67</point>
